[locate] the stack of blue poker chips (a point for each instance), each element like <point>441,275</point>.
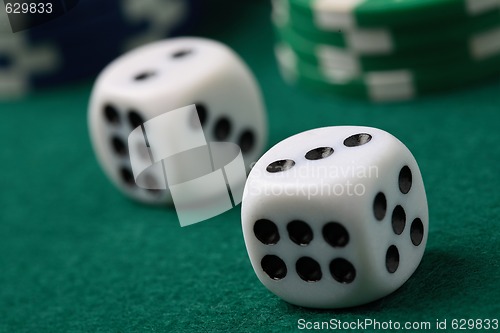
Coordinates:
<point>84,40</point>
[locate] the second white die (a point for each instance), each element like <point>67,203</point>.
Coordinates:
<point>335,217</point>
<point>165,76</point>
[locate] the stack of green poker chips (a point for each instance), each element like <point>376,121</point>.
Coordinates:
<point>387,50</point>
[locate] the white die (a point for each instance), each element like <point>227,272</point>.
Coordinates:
<point>165,76</point>
<point>335,217</point>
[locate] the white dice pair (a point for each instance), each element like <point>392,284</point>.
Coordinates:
<point>166,76</point>
<point>332,217</point>
<point>335,217</point>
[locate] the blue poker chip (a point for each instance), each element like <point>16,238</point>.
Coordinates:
<point>80,43</point>
<point>30,13</point>
<point>191,20</point>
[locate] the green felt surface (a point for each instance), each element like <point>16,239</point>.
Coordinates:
<point>76,256</point>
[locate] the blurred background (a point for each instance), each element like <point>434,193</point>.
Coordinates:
<point>78,256</point>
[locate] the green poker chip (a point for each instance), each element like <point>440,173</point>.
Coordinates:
<point>477,47</point>
<point>384,86</point>
<point>348,14</point>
